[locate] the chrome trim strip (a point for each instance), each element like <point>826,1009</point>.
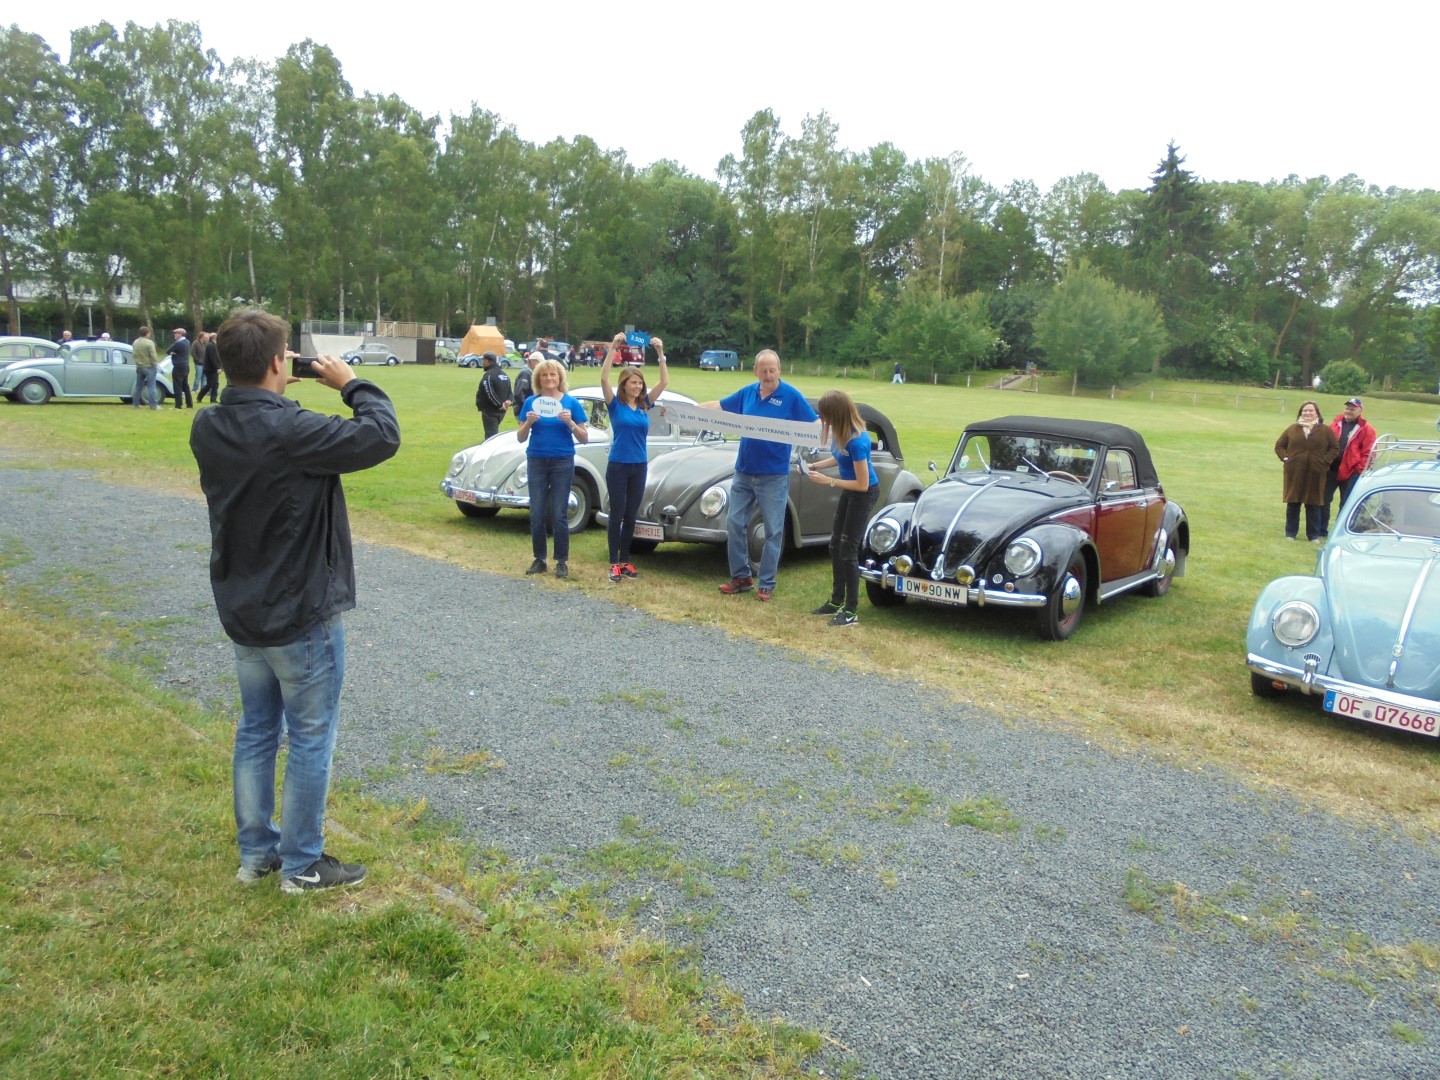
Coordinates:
<point>937,572</point>
<point>1397,651</point>
<point>976,596</point>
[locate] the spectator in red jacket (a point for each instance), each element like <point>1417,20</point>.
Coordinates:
<point>1356,438</point>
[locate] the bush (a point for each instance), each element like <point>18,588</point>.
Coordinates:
<point>1344,377</point>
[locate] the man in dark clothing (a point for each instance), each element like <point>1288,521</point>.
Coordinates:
<point>492,396</point>
<point>282,573</point>
<point>210,367</point>
<point>179,353</point>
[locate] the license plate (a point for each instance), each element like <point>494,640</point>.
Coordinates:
<point>648,530</point>
<point>941,592</point>
<point>1377,712</point>
<point>461,495</point>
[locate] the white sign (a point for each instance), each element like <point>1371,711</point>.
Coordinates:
<point>794,432</point>
<point>546,406</point>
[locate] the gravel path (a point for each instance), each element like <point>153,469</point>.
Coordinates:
<point>943,893</point>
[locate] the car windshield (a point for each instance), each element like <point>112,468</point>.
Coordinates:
<point>1025,454</point>
<point>1398,512</point>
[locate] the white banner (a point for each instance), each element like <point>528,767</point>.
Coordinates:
<point>795,432</point>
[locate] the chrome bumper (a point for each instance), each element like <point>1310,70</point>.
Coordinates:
<point>977,595</point>
<point>485,498</point>
<point>1308,680</point>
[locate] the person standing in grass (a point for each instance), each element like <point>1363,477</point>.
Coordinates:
<point>147,360</point>
<point>282,573</point>
<point>629,461</point>
<point>1305,449</point>
<point>551,422</point>
<point>841,425</point>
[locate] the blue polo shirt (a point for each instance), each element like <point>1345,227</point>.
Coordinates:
<point>629,428</point>
<point>856,451</point>
<point>550,437</point>
<point>760,456</point>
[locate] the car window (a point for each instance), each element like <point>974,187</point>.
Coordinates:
<point>1119,471</point>
<point>1398,511</point>
<point>1024,454</point>
<point>598,415</point>
<point>90,355</point>
<point>877,438</point>
<point>16,351</point>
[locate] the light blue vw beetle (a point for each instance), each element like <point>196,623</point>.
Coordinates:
<point>1363,633</point>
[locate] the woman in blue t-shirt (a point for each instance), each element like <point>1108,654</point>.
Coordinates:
<point>859,488</point>
<point>630,405</point>
<point>551,422</point>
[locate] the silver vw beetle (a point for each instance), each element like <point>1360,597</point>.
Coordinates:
<point>493,474</point>
<point>1362,634</point>
<point>81,369</point>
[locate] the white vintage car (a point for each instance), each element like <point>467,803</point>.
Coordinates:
<point>493,475</point>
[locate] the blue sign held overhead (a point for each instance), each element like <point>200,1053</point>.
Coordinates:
<point>638,338</point>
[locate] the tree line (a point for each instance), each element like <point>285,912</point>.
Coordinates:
<point>148,160</point>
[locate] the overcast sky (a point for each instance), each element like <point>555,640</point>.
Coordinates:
<point>1251,90</point>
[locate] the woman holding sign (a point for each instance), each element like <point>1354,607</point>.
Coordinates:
<point>630,406</point>
<point>860,487</point>
<point>551,422</point>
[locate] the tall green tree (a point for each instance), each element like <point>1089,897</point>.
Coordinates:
<point>1102,332</point>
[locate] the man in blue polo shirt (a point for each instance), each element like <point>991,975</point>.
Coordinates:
<point>762,475</point>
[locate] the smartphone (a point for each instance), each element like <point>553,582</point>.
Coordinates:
<point>302,367</point>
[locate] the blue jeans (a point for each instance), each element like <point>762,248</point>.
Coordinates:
<point>626,484</point>
<point>549,503</point>
<point>144,392</point>
<point>291,690</point>
<point>769,492</point>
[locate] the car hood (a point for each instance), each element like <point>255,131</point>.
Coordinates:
<point>680,477</point>
<point>31,363</point>
<point>490,463</point>
<point>1369,585</point>
<point>985,510</point>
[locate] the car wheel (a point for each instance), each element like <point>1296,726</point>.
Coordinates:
<point>757,537</point>
<point>33,392</point>
<point>581,505</point>
<point>1061,613</point>
<point>391,361</point>
<point>881,596</point>
<point>1260,686</point>
<point>470,510</point>
<point>1161,585</point>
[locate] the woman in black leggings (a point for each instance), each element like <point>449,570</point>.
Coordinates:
<point>859,488</point>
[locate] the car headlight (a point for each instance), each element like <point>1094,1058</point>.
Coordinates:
<point>1295,624</point>
<point>714,501</point>
<point>1022,557</point>
<point>522,474</point>
<point>457,464</point>
<point>884,535</point>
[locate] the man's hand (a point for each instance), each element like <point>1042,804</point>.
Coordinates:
<point>333,371</point>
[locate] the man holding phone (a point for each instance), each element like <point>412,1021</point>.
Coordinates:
<point>282,573</point>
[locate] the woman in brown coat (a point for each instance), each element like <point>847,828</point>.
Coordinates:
<point>1306,449</point>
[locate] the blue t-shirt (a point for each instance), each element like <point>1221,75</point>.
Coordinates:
<point>856,451</point>
<point>550,436</point>
<point>629,428</point>
<point>761,456</point>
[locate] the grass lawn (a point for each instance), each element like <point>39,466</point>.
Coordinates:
<point>1166,674</point>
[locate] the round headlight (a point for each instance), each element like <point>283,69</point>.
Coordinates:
<point>884,535</point>
<point>1295,624</point>
<point>456,464</point>
<point>522,474</point>
<point>1022,557</point>
<point>712,503</point>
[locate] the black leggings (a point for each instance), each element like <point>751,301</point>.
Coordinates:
<point>626,484</point>
<point>851,515</point>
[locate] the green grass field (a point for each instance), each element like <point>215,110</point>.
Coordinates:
<point>1167,674</point>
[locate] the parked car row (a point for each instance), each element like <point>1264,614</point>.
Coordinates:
<point>80,369</point>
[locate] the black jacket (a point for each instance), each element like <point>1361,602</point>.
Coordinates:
<point>493,391</point>
<point>280,557</point>
<point>522,388</point>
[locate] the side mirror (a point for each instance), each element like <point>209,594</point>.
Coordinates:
<point>933,468</point>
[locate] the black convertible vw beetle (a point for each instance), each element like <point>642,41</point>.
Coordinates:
<point>1033,512</point>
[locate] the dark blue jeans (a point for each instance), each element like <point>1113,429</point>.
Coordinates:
<point>549,503</point>
<point>626,483</point>
<point>851,515</point>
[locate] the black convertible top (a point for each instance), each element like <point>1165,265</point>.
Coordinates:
<point>1091,431</point>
